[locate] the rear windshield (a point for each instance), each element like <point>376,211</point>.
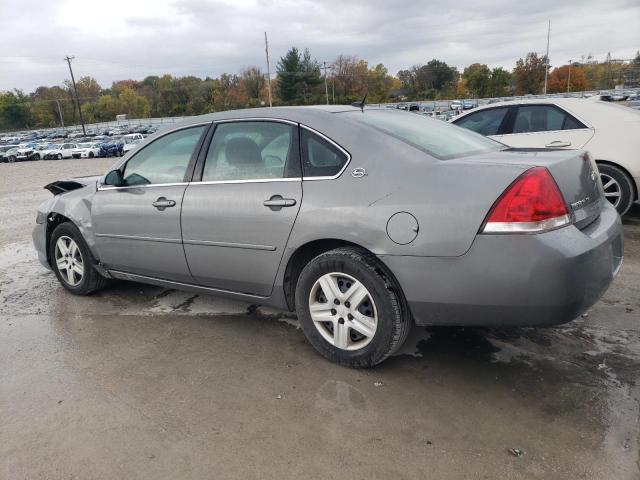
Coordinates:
<point>435,137</point>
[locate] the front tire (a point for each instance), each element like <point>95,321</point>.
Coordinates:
<point>618,187</point>
<point>349,309</point>
<point>59,156</point>
<point>72,262</point>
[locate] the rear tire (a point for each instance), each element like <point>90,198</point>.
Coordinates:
<point>358,335</point>
<point>618,187</point>
<point>72,262</point>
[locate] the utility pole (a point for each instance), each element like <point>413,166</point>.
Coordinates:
<point>569,78</point>
<point>60,113</point>
<point>75,91</point>
<point>546,66</point>
<point>266,49</point>
<point>608,84</point>
<point>326,87</point>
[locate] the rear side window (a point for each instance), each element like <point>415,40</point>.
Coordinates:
<point>320,158</point>
<point>543,118</point>
<point>252,151</point>
<point>484,122</point>
<point>439,139</point>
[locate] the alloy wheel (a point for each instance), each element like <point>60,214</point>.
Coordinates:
<point>612,189</point>
<point>69,260</point>
<point>343,311</point>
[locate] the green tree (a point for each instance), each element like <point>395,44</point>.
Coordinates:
<point>478,79</point>
<point>499,82</point>
<point>15,111</point>
<point>298,77</point>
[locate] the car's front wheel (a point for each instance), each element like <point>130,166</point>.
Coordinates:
<point>71,261</point>
<point>349,308</point>
<point>59,156</point>
<point>618,187</point>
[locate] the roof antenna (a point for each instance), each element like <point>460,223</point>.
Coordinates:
<point>360,104</point>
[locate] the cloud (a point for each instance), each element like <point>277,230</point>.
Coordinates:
<point>131,39</point>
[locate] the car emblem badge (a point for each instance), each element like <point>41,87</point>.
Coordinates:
<point>358,172</point>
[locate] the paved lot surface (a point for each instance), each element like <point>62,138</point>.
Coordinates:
<point>140,382</point>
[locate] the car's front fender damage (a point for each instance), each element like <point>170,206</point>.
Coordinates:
<point>72,201</point>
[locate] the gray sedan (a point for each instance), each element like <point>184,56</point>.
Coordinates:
<point>363,221</point>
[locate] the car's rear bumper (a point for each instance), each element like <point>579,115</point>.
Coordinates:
<point>523,280</point>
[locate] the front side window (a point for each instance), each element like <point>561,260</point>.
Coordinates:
<point>543,118</point>
<point>164,160</point>
<point>484,122</point>
<point>251,151</point>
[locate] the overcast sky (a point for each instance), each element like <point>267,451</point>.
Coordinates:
<point>119,39</point>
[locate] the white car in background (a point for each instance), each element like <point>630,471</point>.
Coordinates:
<point>58,151</point>
<point>610,133</point>
<point>86,150</point>
<point>131,141</point>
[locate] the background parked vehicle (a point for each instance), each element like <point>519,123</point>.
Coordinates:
<point>611,133</point>
<point>86,150</point>
<point>131,141</point>
<point>60,151</point>
<point>114,148</point>
<point>10,155</point>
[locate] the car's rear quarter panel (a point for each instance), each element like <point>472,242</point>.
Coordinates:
<point>448,198</point>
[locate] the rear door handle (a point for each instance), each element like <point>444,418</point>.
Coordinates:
<point>162,203</point>
<point>558,143</point>
<point>276,202</point>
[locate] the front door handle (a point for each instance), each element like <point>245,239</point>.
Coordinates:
<point>558,143</point>
<point>276,202</point>
<point>162,203</point>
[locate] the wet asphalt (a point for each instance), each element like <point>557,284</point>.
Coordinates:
<point>140,382</point>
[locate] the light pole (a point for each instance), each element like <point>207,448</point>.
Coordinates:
<point>569,78</point>
<point>546,67</point>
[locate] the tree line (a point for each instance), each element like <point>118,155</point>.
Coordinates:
<point>301,80</point>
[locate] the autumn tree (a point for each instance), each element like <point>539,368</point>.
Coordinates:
<point>559,78</point>
<point>528,76</point>
<point>254,83</point>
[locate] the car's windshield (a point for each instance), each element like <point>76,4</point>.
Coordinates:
<point>84,145</point>
<point>439,139</point>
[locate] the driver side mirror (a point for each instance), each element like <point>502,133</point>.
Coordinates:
<point>114,178</point>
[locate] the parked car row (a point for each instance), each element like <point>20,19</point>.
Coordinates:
<point>53,135</point>
<point>87,148</point>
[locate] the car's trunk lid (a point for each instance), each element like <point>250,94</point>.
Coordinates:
<point>574,171</point>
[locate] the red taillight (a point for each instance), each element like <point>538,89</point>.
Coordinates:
<point>532,203</point>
